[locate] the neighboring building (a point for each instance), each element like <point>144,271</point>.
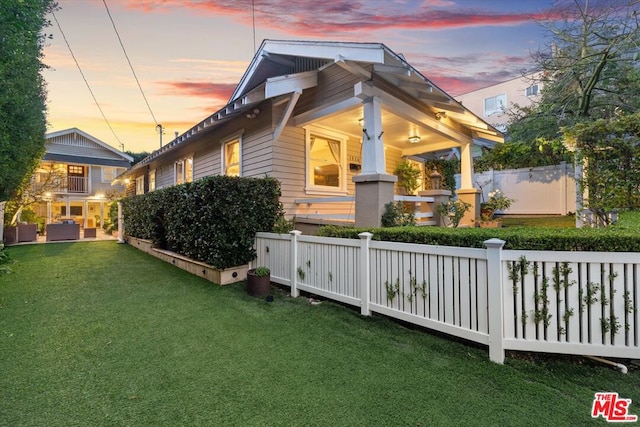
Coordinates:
<point>493,102</point>
<point>330,121</point>
<point>75,177</point>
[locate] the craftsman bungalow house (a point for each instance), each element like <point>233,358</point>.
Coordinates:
<point>75,177</point>
<point>330,121</point>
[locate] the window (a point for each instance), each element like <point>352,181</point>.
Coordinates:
<point>108,173</point>
<point>140,185</point>
<point>152,180</point>
<point>231,166</point>
<point>531,90</point>
<point>326,156</point>
<point>184,171</point>
<point>188,170</point>
<point>495,105</point>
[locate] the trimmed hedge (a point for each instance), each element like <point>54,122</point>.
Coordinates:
<point>610,239</point>
<point>213,220</point>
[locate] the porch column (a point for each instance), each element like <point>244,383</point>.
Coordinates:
<point>2,224</point>
<point>120,224</point>
<point>85,211</point>
<point>374,187</point>
<point>467,192</point>
<point>48,211</point>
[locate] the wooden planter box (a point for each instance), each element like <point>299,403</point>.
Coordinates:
<point>206,271</point>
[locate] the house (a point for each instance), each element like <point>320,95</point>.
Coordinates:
<point>74,178</point>
<point>492,103</point>
<point>330,121</point>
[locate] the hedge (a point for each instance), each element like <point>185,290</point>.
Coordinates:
<point>213,220</point>
<point>610,239</point>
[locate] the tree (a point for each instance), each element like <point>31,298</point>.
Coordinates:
<point>137,156</point>
<point>22,91</point>
<point>609,150</point>
<point>589,69</point>
<point>45,182</point>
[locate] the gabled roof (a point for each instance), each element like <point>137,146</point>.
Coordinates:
<point>82,146</point>
<point>286,67</point>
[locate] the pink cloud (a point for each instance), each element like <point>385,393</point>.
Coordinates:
<point>331,17</point>
<point>220,91</point>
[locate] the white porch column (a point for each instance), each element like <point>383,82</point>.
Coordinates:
<point>85,211</point>
<point>2,224</point>
<point>120,224</point>
<point>466,166</point>
<point>48,211</point>
<point>374,187</point>
<point>467,192</point>
<point>372,142</point>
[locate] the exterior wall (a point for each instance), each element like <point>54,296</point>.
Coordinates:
<point>513,89</point>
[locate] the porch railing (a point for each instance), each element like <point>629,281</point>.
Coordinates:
<point>348,212</point>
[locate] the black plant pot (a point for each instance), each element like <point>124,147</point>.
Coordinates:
<point>258,286</point>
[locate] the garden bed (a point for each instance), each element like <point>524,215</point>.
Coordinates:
<point>206,271</point>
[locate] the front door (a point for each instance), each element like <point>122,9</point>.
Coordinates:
<point>75,178</point>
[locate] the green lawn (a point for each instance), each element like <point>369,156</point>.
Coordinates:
<point>100,334</point>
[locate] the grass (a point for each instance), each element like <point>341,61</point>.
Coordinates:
<point>101,334</point>
<point>627,219</point>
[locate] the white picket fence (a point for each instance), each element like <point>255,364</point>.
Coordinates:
<point>582,303</point>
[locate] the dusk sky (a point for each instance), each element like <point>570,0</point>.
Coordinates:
<point>188,55</point>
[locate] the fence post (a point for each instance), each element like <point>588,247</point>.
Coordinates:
<point>365,273</point>
<point>120,224</point>
<point>293,261</point>
<point>495,302</point>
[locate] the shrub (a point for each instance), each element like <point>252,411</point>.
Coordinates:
<point>213,220</point>
<point>611,239</point>
<point>396,215</point>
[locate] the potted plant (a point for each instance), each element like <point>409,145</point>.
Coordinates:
<point>258,281</point>
<point>497,202</point>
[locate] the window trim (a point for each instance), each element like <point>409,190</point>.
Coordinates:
<point>536,85</point>
<point>140,185</point>
<point>223,153</point>
<point>152,182</point>
<point>311,188</point>
<point>500,108</point>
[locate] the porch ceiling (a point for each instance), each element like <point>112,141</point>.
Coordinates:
<point>397,131</point>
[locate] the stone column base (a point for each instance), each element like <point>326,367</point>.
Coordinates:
<point>373,191</point>
<point>471,196</point>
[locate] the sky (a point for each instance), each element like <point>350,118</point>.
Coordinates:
<point>188,55</point>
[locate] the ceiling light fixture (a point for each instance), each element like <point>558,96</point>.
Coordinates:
<point>414,139</point>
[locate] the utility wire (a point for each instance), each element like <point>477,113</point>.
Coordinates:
<point>85,79</point>
<point>129,61</point>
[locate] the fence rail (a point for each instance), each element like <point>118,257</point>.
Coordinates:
<point>559,302</point>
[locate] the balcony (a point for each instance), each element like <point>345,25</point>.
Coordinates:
<point>45,182</point>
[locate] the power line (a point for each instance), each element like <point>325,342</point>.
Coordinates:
<point>85,79</point>
<point>129,61</point>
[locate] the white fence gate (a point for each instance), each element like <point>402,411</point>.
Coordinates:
<point>581,303</point>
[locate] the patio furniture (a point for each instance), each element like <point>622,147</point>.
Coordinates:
<point>89,232</point>
<point>27,232</point>
<point>63,231</point>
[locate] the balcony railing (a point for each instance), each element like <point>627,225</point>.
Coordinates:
<point>60,185</point>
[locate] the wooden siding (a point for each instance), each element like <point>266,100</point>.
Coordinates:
<point>334,84</point>
<point>79,147</point>
<point>207,162</point>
